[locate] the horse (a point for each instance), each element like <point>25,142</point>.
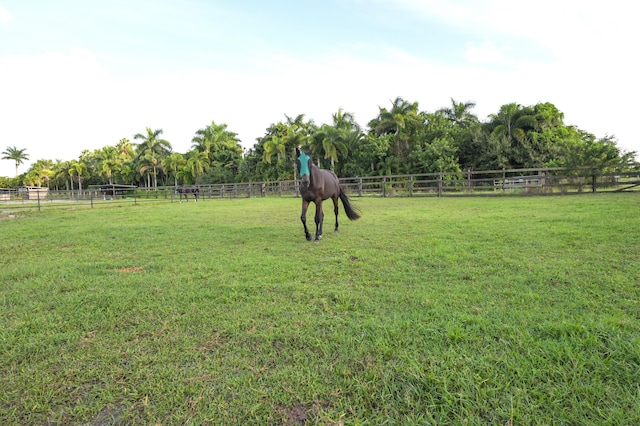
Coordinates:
<point>317,185</point>
<point>186,190</point>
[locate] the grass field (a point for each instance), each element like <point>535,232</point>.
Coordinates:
<point>425,311</point>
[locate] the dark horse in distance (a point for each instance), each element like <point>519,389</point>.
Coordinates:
<point>186,190</point>
<point>317,185</point>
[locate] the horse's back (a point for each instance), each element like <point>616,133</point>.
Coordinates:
<point>331,184</point>
<point>188,189</point>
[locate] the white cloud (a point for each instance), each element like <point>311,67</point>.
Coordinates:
<point>487,52</point>
<point>5,16</point>
<point>59,103</point>
<point>570,27</point>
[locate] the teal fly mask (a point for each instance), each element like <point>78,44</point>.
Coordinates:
<point>304,164</point>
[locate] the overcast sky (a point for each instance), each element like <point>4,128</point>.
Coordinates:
<point>81,74</point>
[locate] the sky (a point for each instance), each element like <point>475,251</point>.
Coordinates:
<point>80,74</point>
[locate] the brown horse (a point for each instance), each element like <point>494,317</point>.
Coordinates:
<point>317,185</point>
<point>186,190</point>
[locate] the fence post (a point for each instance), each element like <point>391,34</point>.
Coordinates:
<point>91,198</point>
<point>38,192</point>
<point>135,197</point>
<point>439,184</point>
<point>411,186</point>
<point>384,186</point>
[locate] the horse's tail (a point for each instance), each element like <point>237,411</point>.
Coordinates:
<point>349,209</point>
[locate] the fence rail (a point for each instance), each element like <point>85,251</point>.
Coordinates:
<point>543,181</point>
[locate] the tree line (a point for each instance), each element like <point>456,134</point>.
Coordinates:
<point>401,139</point>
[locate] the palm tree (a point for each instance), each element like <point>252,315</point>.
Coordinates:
<point>197,164</point>
<point>333,142</point>
<point>125,149</point>
<point>152,147</point>
<point>43,170</point>
<point>106,162</point>
<point>125,170</point>
<point>460,113</point>
<point>79,169</point>
<point>513,123</point>
<point>275,145</point>
<point>398,121</point>
<point>293,140</point>
<point>58,177</point>
<point>394,120</point>
<point>148,164</point>
<point>63,171</point>
<point>344,120</point>
<point>128,173</point>
<point>213,138</point>
<point>173,163</point>
<point>15,154</point>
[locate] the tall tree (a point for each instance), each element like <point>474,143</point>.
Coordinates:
<point>333,144</point>
<point>149,165</point>
<point>59,177</point>
<point>274,146</point>
<point>514,123</point>
<point>63,171</point>
<point>173,163</point>
<point>223,151</point>
<point>16,155</point>
<point>106,162</point>
<point>80,170</point>
<point>40,172</point>
<point>459,113</point>
<point>154,149</point>
<point>401,122</point>
<point>125,148</point>
<point>197,164</point>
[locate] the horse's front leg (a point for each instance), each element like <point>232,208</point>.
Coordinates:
<point>319,220</point>
<point>303,218</point>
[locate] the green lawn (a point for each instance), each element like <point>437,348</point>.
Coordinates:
<point>425,311</point>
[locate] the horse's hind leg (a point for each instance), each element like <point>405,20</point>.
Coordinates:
<point>319,220</point>
<point>335,210</point>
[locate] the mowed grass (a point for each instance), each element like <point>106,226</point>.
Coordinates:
<point>425,311</point>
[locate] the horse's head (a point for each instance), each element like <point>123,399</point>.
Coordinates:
<point>304,162</point>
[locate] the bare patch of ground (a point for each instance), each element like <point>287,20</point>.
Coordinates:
<point>109,415</point>
<point>130,269</point>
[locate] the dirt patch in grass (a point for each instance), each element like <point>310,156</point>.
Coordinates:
<point>301,414</point>
<point>298,414</point>
<point>109,415</point>
<point>130,269</point>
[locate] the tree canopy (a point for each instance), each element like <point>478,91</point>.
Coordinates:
<point>400,139</point>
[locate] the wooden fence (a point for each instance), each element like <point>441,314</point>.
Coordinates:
<point>542,181</point>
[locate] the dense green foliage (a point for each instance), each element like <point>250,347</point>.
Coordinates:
<point>425,311</point>
<point>400,140</point>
